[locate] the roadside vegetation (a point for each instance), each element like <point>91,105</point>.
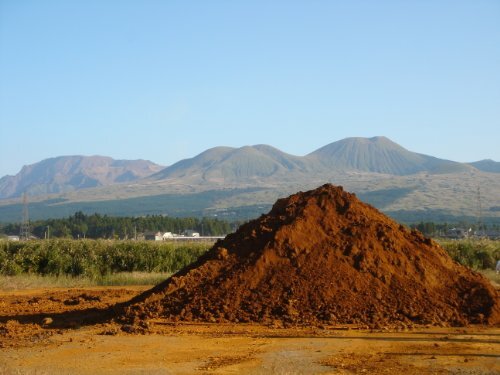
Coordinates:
<point>478,254</point>
<point>95,259</point>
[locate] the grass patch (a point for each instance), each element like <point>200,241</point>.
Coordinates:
<point>30,281</point>
<point>133,278</point>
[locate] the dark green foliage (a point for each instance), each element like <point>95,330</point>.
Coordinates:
<point>95,258</point>
<point>97,226</point>
<point>477,254</point>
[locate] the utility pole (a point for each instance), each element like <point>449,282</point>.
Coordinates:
<point>25,224</point>
<point>479,213</point>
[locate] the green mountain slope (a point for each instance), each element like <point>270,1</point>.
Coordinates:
<point>380,155</point>
<point>226,164</point>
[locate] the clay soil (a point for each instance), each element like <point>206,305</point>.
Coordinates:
<point>64,331</point>
<point>322,257</point>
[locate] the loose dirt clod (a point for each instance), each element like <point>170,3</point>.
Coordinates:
<point>47,321</point>
<point>323,257</point>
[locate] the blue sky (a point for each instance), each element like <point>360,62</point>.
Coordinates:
<point>165,80</point>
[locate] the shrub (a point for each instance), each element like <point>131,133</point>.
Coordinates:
<point>479,254</point>
<point>95,258</point>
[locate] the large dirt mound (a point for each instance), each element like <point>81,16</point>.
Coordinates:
<point>323,257</point>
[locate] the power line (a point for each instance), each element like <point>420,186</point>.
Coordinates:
<point>480,229</point>
<point>25,225</point>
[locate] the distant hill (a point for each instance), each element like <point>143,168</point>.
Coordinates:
<point>487,165</point>
<point>377,155</point>
<point>227,164</point>
<point>69,173</point>
<point>380,155</point>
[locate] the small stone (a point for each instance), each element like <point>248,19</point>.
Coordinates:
<point>47,321</point>
<point>109,332</point>
<point>128,328</point>
<point>222,253</point>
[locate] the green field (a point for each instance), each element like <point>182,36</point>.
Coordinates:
<point>72,263</point>
<point>95,259</point>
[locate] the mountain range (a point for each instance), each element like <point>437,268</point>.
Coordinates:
<point>69,173</point>
<point>262,162</point>
<point>242,181</point>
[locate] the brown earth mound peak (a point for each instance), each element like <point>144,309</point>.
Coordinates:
<point>323,257</point>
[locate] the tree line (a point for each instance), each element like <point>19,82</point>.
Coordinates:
<point>431,229</point>
<point>96,226</point>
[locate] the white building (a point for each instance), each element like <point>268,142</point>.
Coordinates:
<point>167,235</point>
<point>191,233</point>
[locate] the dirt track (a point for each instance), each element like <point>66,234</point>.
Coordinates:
<point>78,340</point>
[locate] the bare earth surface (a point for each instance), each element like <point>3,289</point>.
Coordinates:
<point>322,257</point>
<point>64,331</point>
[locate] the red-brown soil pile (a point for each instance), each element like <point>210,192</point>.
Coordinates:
<point>323,257</point>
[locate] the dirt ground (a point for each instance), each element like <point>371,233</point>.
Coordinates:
<point>64,331</point>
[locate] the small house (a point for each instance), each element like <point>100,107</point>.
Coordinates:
<point>153,236</point>
<point>191,233</point>
<point>167,235</point>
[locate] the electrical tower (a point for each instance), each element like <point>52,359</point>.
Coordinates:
<point>480,229</point>
<point>25,225</point>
